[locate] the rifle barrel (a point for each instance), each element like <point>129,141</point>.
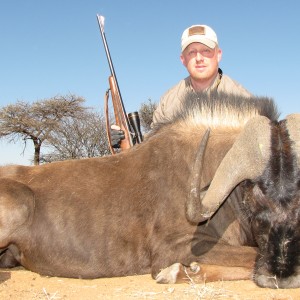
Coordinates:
<point>110,63</point>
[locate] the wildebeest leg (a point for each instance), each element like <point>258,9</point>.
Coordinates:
<point>7,259</point>
<point>197,273</point>
<point>221,262</point>
<point>16,208</point>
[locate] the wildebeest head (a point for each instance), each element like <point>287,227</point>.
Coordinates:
<point>266,159</point>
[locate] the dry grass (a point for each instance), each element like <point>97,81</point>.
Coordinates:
<point>21,284</point>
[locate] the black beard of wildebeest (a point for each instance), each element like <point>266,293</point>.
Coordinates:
<point>275,210</point>
<point>216,186</point>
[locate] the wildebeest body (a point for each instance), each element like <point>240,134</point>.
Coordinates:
<point>126,214</point>
<point>81,220</point>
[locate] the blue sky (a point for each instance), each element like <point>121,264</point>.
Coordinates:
<point>54,47</point>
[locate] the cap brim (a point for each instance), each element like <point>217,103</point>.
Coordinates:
<point>198,39</point>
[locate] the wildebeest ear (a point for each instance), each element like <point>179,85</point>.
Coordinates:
<point>246,159</point>
<point>293,126</point>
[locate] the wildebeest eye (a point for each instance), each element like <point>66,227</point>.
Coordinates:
<point>261,221</point>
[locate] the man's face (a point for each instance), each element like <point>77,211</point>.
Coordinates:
<point>201,61</point>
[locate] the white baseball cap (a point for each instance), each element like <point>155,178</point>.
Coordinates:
<point>199,34</point>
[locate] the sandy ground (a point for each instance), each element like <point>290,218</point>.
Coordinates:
<point>21,284</point>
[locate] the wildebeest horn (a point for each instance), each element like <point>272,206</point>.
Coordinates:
<point>193,205</point>
<point>246,159</point>
<point>293,126</point>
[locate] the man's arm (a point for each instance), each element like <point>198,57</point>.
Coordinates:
<point>170,101</point>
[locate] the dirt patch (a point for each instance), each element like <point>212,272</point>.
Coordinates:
<point>21,284</point>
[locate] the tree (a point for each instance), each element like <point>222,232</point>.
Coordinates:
<point>37,121</point>
<point>78,138</point>
<point>146,114</point>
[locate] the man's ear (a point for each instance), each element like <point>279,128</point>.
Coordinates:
<point>183,60</point>
<point>219,54</point>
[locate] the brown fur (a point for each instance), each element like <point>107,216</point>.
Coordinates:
<point>125,214</point>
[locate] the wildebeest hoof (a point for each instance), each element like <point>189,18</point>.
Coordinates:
<point>194,267</point>
<point>177,273</point>
<point>169,274</point>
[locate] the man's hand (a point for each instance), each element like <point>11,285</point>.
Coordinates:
<point>116,135</point>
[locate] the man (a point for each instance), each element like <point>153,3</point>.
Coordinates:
<point>200,54</point>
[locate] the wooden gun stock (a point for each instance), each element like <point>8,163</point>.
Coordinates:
<point>121,118</point>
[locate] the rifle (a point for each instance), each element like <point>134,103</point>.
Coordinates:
<point>130,123</point>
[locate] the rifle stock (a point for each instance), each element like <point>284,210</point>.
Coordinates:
<point>121,118</point>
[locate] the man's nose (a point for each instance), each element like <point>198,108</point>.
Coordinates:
<point>198,56</point>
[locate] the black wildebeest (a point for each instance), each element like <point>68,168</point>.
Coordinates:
<point>142,211</point>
